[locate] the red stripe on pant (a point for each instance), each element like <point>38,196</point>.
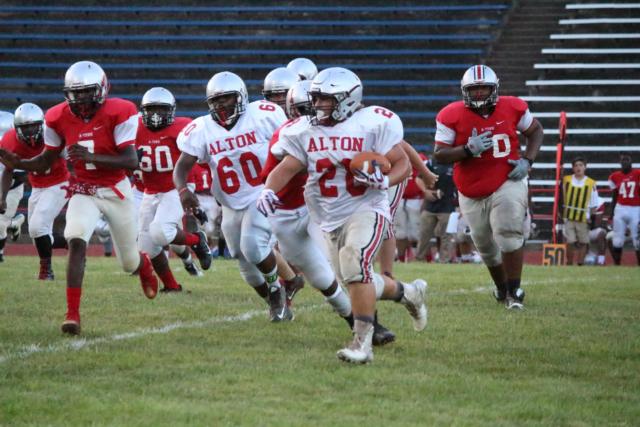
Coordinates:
<point>370,249</point>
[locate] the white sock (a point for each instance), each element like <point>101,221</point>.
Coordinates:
<point>340,302</point>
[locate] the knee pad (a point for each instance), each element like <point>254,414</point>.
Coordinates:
<point>162,233</point>
<point>146,245</point>
<point>252,251</point>
<point>490,253</point>
<point>509,241</point>
<point>130,263</point>
<point>378,282</point>
<point>351,269</point>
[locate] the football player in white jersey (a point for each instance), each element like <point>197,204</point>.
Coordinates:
<point>276,85</point>
<point>296,233</point>
<point>233,139</point>
<point>304,68</point>
<point>353,211</point>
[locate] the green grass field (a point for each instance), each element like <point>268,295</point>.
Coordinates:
<point>212,358</point>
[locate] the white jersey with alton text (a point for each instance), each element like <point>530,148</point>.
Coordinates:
<point>236,156</point>
<point>332,194</point>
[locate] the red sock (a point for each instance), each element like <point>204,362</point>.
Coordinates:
<point>73,301</point>
<point>191,239</point>
<point>168,280</point>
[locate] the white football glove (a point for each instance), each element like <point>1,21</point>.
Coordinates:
<point>520,169</point>
<point>268,202</point>
<point>478,144</point>
<point>375,179</point>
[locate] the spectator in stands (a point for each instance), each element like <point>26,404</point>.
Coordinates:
<point>625,206</point>
<point>580,200</point>
<point>479,135</point>
<point>439,203</point>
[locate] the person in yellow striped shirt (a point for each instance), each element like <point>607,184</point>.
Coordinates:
<point>580,201</point>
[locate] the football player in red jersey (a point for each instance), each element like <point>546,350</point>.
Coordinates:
<point>201,179</point>
<point>10,223</point>
<point>47,198</point>
<point>160,211</point>
<point>99,135</point>
<point>478,134</point>
<point>625,206</point>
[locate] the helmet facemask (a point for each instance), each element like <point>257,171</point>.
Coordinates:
<point>84,101</point>
<point>158,116</point>
<point>226,108</point>
<point>31,133</point>
<point>488,103</point>
<point>278,97</point>
<point>328,114</point>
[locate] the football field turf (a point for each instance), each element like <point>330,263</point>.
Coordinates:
<point>572,357</point>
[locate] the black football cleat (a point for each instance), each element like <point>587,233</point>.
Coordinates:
<point>202,251</point>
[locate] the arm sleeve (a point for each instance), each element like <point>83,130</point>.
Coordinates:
<point>288,146</point>
<point>525,121</point>
<point>189,142</point>
<point>125,132</point>
<point>51,137</point>
<point>391,134</point>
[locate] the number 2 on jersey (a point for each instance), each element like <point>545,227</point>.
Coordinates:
<point>329,169</point>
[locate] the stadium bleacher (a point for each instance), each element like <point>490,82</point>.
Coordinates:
<point>589,71</point>
<point>580,58</point>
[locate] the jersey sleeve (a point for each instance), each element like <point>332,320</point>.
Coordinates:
<point>51,137</point>
<point>445,133</point>
<point>612,182</point>
<point>523,115</point>
<point>126,127</point>
<point>289,145</point>
<point>190,141</point>
<point>391,134</point>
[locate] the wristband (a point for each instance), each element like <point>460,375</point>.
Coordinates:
<point>529,160</point>
<point>467,151</point>
<point>182,190</point>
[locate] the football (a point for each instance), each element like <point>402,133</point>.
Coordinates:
<point>364,162</point>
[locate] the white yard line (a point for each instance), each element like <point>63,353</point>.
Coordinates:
<point>81,343</point>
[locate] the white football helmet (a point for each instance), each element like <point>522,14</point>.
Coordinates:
<point>304,68</point>
<point>479,75</point>
<point>29,124</point>
<point>341,84</point>
<point>277,84</point>
<point>85,88</point>
<point>298,103</point>
<point>222,84</point>
<point>6,122</point>
<point>158,108</point>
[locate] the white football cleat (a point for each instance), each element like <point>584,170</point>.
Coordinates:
<point>15,227</point>
<point>360,350</point>
<point>414,301</point>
